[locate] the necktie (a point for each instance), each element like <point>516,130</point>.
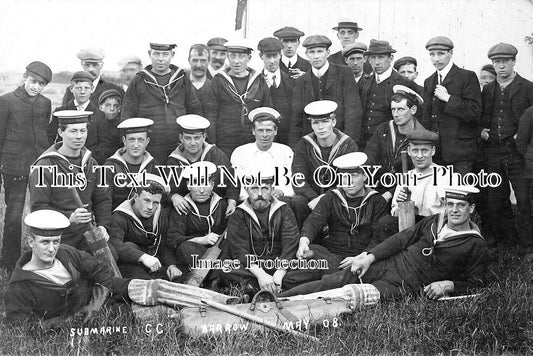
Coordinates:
<point>440,79</point>
<point>377,80</point>
<point>274,81</point>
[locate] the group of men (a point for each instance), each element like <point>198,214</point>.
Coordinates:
<point>297,137</point>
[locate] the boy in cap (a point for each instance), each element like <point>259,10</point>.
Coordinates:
<point>441,255</point>
<point>109,103</point>
<point>194,148</point>
<point>92,63</point>
<point>353,57</point>
<point>504,102</point>
<point>452,107</point>
<point>133,158</point>
<point>265,123</point>
<point>390,138</point>
<point>291,63</point>
<point>233,94</point>
<point>217,56</point>
<point>314,153</point>
<point>376,90</point>
<point>161,92</point>
<point>200,228</point>
<point>98,140</point>
<point>407,67</point>
<point>325,81</point>
<point>280,84</point>
<point>487,74</point>
<point>350,212</point>
<point>24,115</point>
<point>65,174</point>
<point>139,232</point>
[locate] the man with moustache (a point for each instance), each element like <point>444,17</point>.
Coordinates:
<point>280,84</point>
<point>24,115</point>
<point>452,107</point>
<point>92,63</point>
<point>325,81</point>
<point>161,92</point>
<point>233,94</point>
<point>199,62</point>
<point>291,63</point>
<point>217,56</point>
<point>353,55</point>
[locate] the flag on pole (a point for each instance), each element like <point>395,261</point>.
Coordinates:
<point>239,14</point>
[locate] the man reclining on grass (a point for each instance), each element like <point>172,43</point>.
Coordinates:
<point>54,281</point>
<point>442,254</point>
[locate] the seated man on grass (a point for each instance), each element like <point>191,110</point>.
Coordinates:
<point>443,254</point>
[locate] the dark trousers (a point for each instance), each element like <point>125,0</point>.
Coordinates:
<point>139,271</point>
<point>300,209</point>
<point>15,195</point>
<point>184,254</point>
<point>509,164</point>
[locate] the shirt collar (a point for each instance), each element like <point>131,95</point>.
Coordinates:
<point>444,72</point>
<point>84,106</point>
<point>289,61</point>
<point>95,82</point>
<point>385,75</point>
<point>358,78</point>
<point>504,83</point>
<point>270,74</point>
<point>320,72</point>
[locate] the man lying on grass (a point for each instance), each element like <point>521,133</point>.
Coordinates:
<point>441,255</point>
<point>54,281</point>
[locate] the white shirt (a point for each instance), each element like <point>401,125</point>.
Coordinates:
<point>320,72</point>
<point>358,78</point>
<point>82,107</point>
<point>247,156</point>
<point>269,77</point>
<point>289,61</point>
<point>58,274</point>
<point>383,76</point>
<point>425,194</point>
<point>95,83</point>
<point>444,71</point>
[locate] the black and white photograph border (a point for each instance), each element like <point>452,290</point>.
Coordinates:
<point>497,320</point>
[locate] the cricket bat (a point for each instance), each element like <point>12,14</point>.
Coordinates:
<point>96,241</point>
<point>406,209</point>
<point>197,275</point>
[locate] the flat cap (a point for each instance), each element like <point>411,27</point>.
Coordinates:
<point>46,222</point>
<point>129,59</point>
<point>405,60</point>
<point>192,123</point>
<point>350,161</point>
<point>379,47</point>
<point>422,135</point>
<point>316,41</point>
<point>264,113</point>
<point>40,70</point>
<point>65,117</point>
<point>269,44</point>
<point>152,181</point>
<point>239,46</point>
<point>135,125</point>
<point>91,54</point>
<point>82,76</point>
<point>217,43</point>
<point>356,47</point>
<point>502,50</point>
<point>162,46</point>
<point>406,90</point>
<point>439,42</point>
<point>107,94</point>
<point>198,173</point>
<point>320,109</point>
<point>461,192</point>
<point>489,68</point>
<point>347,24</point>
<point>287,33</point>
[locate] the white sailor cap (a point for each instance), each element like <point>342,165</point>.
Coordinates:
<point>461,192</point>
<point>321,109</point>
<point>199,173</point>
<point>264,113</point>
<point>46,222</point>
<point>240,45</point>
<point>66,117</point>
<point>192,123</point>
<point>409,91</point>
<point>135,124</point>
<point>152,182</point>
<point>350,162</point>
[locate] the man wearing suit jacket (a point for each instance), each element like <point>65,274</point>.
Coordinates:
<point>376,89</point>
<point>452,98</point>
<point>281,85</point>
<point>291,62</point>
<point>325,81</point>
<point>504,102</point>
<point>92,63</point>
